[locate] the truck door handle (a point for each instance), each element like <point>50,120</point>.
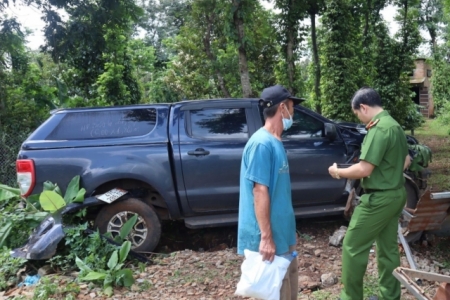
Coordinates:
<point>198,151</point>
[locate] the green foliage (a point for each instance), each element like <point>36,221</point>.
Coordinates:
<point>17,218</point>
<point>20,216</point>
<point>73,192</point>
<point>207,60</point>
<point>370,286</point>
<point>117,85</point>
<point>7,192</point>
<point>341,75</point>
<point>77,243</point>
<point>93,43</point>
<point>48,289</point>
<point>322,295</point>
<point>444,117</point>
<point>421,159</point>
<point>51,201</point>
<point>114,275</point>
<point>9,267</point>
<point>51,198</point>
<point>440,82</point>
<point>125,230</point>
<point>163,20</point>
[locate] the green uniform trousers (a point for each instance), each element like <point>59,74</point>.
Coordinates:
<point>374,219</point>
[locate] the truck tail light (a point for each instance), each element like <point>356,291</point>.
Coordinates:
<point>25,176</point>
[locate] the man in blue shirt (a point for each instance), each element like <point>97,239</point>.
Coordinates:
<point>266,216</point>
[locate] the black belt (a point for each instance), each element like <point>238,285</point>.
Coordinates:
<point>370,191</point>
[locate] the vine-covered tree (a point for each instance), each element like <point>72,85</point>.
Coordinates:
<point>341,75</point>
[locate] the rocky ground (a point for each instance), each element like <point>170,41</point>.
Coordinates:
<point>209,268</point>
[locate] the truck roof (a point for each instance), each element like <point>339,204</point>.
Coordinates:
<point>75,109</point>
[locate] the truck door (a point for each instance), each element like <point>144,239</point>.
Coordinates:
<point>310,154</point>
<point>211,146</point>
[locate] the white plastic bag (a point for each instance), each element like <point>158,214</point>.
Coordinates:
<point>261,279</point>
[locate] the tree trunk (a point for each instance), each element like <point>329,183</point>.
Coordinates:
<point>317,74</point>
<point>433,35</point>
<point>290,60</point>
<point>366,19</point>
<point>243,66</point>
<point>212,58</point>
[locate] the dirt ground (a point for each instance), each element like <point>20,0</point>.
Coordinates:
<point>209,268</point>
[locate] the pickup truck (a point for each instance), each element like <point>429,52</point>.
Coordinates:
<point>182,161</point>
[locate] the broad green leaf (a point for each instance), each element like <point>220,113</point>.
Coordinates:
<point>94,276</point>
<point>72,189</point>
<point>7,192</point>
<point>108,291</point>
<point>33,202</point>
<point>58,190</point>
<point>38,216</point>
<point>81,265</point>
<point>113,260</point>
<point>127,227</point>
<point>109,280</point>
<point>126,277</point>
<point>49,186</point>
<point>124,250</point>
<point>51,201</point>
<point>79,198</point>
<point>4,232</point>
<point>118,267</point>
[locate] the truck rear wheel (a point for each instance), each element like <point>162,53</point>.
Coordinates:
<point>145,234</point>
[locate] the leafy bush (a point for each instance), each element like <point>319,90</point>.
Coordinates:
<point>9,267</point>
<point>77,243</point>
<point>17,215</point>
<point>46,289</point>
<point>444,117</point>
<point>112,276</point>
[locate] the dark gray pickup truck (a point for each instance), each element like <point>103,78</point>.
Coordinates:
<point>181,161</point>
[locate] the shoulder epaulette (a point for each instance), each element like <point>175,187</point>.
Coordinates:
<point>372,124</point>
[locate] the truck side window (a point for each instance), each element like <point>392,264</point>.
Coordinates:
<point>304,127</point>
<point>219,123</point>
<point>104,124</point>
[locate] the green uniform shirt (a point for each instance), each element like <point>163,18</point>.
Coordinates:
<point>385,147</point>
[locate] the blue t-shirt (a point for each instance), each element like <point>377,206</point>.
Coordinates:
<point>264,161</point>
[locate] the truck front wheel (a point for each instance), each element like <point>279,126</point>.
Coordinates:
<point>145,233</point>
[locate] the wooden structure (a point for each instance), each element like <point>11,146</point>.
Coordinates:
<point>421,86</point>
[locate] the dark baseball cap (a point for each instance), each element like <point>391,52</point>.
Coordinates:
<point>276,94</point>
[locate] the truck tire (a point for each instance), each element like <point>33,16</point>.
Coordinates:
<point>412,198</point>
<point>145,234</point>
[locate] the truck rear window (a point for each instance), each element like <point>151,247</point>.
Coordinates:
<point>104,124</point>
<point>219,123</point>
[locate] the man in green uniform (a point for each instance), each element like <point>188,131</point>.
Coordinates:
<point>384,156</point>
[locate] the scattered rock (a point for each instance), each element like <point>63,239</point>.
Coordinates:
<point>328,279</point>
<point>309,246</point>
<point>45,270</point>
<point>318,252</point>
<point>338,236</point>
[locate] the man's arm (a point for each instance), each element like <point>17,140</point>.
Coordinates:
<point>357,171</point>
<point>262,211</point>
<point>407,162</point>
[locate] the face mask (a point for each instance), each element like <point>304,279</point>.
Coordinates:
<point>287,123</point>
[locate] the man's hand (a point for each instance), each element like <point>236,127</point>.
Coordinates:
<point>333,170</point>
<point>267,249</point>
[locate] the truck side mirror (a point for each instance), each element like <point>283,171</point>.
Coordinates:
<point>330,131</point>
